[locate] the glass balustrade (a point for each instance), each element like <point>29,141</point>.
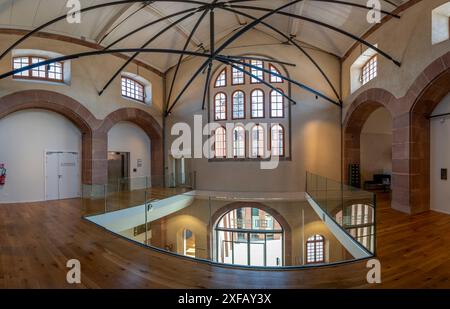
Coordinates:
<point>329,224</point>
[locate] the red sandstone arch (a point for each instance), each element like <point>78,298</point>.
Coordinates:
<point>232,206</point>
<point>360,110</point>
<point>150,126</point>
<point>438,75</point>
<point>411,133</point>
<point>63,105</point>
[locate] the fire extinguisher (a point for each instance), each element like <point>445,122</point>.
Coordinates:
<point>2,174</point>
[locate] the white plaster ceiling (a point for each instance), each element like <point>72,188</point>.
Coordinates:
<point>28,14</point>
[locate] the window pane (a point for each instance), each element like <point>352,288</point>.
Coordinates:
<point>276,104</point>
<point>257,98</point>
<point>369,70</point>
<point>238,76</point>
<point>256,72</point>
<point>273,78</point>
<point>220,143</point>
<point>277,141</point>
<point>132,89</point>
<point>238,105</point>
<point>220,106</point>
<point>19,63</point>
<point>221,80</point>
<point>257,141</point>
<point>239,142</point>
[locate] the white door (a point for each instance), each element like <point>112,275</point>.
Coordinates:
<point>62,175</point>
<point>52,176</point>
<point>68,172</point>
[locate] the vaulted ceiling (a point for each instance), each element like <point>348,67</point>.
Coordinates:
<point>105,25</point>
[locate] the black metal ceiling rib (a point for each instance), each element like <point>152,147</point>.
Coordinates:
<point>186,45</point>
<point>310,58</point>
<point>87,9</point>
<point>261,59</point>
<point>320,23</point>
<point>165,29</point>
<point>104,52</point>
<point>224,45</point>
<point>301,85</point>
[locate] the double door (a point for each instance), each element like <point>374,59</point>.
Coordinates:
<point>62,175</point>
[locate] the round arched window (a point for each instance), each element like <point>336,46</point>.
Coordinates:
<point>249,236</point>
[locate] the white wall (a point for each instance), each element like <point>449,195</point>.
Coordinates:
<point>440,157</point>
<point>128,137</point>
<point>376,144</point>
<point>24,137</point>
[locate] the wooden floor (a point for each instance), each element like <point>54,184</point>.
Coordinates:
<point>37,239</point>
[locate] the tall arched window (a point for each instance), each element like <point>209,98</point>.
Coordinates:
<point>274,78</point>
<point>276,104</point>
<point>257,141</point>
<point>237,76</point>
<point>238,107</point>
<point>257,103</point>
<point>277,140</point>
<point>315,249</point>
<point>239,142</point>
<point>221,80</point>
<point>256,72</point>
<point>220,142</point>
<point>249,236</point>
<point>220,106</point>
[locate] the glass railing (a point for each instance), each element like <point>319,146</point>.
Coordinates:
<point>246,229</point>
<point>353,209</point>
<point>125,193</point>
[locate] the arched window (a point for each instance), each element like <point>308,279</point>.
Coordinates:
<point>132,89</point>
<point>249,236</point>
<point>358,220</point>
<point>277,140</point>
<point>276,104</point>
<point>257,141</point>
<point>220,106</point>
<point>369,70</point>
<point>274,78</point>
<point>315,249</point>
<point>257,103</point>
<point>221,80</point>
<point>237,76</point>
<point>52,72</point>
<point>238,107</point>
<point>220,142</point>
<point>257,72</point>
<point>239,142</point>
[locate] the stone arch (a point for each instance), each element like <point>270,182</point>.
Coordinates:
<point>71,109</point>
<point>360,110</point>
<point>150,126</point>
<point>274,213</point>
<point>431,87</point>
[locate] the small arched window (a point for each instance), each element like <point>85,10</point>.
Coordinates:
<point>257,72</point>
<point>315,249</point>
<point>277,140</point>
<point>257,141</point>
<point>220,142</point>
<point>274,78</point>
<point>257,103</point>
<point>238,105</point>
<point>239,142</point>
<point>369,70</point>
<point>220,106</point>
<point>132,89</point>
<point>276,104</point>
<point>221,80</point>
<point>51,72</point>
<point>237,76</point>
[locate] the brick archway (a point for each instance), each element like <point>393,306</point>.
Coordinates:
<point>411,133</point>
<point>150,126</point>
<point>420,131</point>
<point>275,214</point>
<point>357,115</point>
<point>63,105</point>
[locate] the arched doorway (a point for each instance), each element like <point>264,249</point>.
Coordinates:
<point>368,134</point>
<point>432,94</point>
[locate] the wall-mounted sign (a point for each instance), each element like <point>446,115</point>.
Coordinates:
<point>139,162</point>
<point>443,174</point>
